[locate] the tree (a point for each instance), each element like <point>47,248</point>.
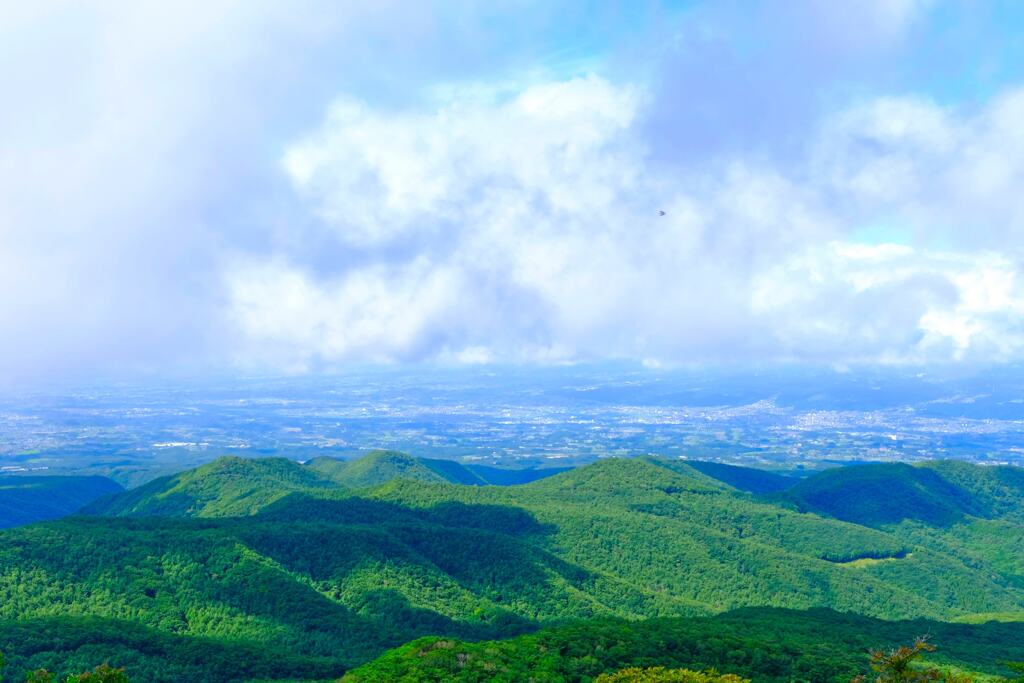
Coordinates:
<point>660,674</point>
<point>104,673</point>
<point>899,666</point>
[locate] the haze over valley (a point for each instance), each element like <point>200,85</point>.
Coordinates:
<point>778,418</point>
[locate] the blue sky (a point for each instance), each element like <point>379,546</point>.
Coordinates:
<point>305,186</point>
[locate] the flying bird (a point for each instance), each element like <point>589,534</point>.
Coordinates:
<point>661,213</point>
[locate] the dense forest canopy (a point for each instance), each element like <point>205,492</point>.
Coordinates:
<point>307,571</point>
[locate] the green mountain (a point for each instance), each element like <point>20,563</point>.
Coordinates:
<point>937,494</point>
<point>374,469</point>
<point>996,491</point>
<point>26,499</point>
<point>227,486</point>
<point>232,486</point>
<point>379,467</point>
<point>319,563</point>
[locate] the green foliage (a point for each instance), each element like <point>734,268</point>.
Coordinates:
<point>233,486</point>
<point>27,499</point>
<point>759,644</point>
<point>659,674</point>
<point>103,673</point>
<point>227,486</point>
<point>881,494</point>
<point>1017,668</point>
<point>996,491</point>
<point>454,472</point>
<point>502,476</point>
<point>374,469</point>
<point>379,467</point>
<point>74,643</point>
<point>301,575</point>
<point>902,665</point>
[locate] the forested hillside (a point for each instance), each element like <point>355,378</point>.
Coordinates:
<point>223,488</point>
<point>325,564</point>
<point>743,478</point>
<point>379,467</point>
<point>756,643</point>
<point>877,495</point>
<point>25,499</point>
<point>762,644</point>
<point>233,486</point>
<point>938,493</point>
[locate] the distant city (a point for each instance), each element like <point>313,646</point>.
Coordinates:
<point>777,419</point>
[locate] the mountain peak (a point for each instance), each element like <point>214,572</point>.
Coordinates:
<point>629,475</point>
<point>373,469</point>
<point>226,487</point>
<point>879,494</point>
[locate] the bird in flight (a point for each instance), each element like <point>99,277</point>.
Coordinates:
<point>661,213</point>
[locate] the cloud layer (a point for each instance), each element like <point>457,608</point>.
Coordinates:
<point>528,228</point>
<point>240,183</point>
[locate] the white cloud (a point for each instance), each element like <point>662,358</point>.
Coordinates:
<point>893,303</point>
<point>160,200</point>
<point>950,174</point>
<point>138,146</point>
<point>377,177</point>
<point>526,228</point>
<point>376,313</point>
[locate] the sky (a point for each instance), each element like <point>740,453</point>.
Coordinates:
<point>307,186</point>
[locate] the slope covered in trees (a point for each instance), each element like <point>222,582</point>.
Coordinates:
<point>880,494</point>
<point>226,487</point>
<point>335,574</point>
<point>378,467</point>
<point>233,486</point>
<point>25,499</point>
<point>68,644</point>
<point>760,644</point>
<point>995,491</point>
<point>373,469</point>
<point>275,555</point>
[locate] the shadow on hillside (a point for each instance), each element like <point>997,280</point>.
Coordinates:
<point>389,606</point>
<point>883,494</point>
<point>326,590</point>
<point>490,551</point>
<point>986,643</point>
<point>504,519</point>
